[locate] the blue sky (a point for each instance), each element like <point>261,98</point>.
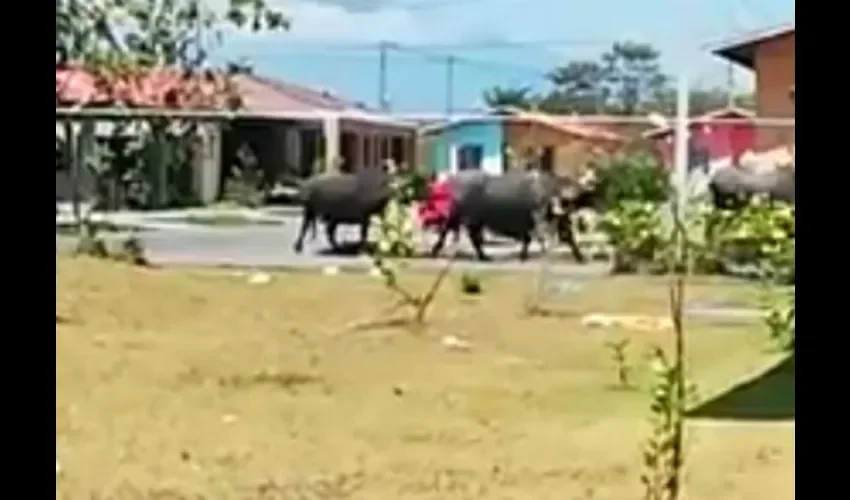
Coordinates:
<point>331,44</point>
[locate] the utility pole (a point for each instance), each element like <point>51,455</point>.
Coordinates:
<point>730,85</point>
<point>450,84</point>
<point>383,101</point>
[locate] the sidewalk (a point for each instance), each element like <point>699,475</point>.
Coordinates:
<point>177,218</point>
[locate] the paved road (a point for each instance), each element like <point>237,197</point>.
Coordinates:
<point>271,246</point>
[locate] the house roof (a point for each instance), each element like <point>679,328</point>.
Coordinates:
<point>568,126</point>
<point>254,95</point>
<point>160,88</point>
<point>571,126</point>
<point>741,49</point>
<point>727,112</point>
<point>264,94</point>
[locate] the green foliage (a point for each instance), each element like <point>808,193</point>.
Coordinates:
<point>662,458</point>
<point>635,231</point>
<point>91,244</point>
<point>89,241</point>
<point>396,223</point>
<point>780,317</point>
<point>412,186</point>
<point>761,234</point>
<point>395,227</point>
<point>470,283</point>
<point>243,188</point>
<point>636,177</point>
<point>145,33</point>
<point>132,251</point>
<point>621,362</point>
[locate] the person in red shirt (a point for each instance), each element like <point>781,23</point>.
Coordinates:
<point>434,209</point>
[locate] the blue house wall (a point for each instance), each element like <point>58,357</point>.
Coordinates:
<point>442,145</point>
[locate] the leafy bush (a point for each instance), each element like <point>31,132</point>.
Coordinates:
<point>762,234</point>
<point>780,317</point>
<point>636,177</point>
<point>243,188</point>
<point>635,231</point>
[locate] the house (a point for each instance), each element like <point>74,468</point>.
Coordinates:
<point>295,130</point>
<point>770,54</point>
<point>712,138</point>
<point>492,143</point>
<point>290,130</point>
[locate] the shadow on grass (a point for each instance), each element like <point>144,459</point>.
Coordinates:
<point>768,396</point>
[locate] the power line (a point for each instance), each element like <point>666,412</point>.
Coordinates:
<point>441,58</point>
<point>455,46</point>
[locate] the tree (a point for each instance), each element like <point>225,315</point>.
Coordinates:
<point>578,88</point>
<point>147,33</point>
<point>119,42</point>
<point>633,76</point>
<point>627,79</point>
<point>500,97</point>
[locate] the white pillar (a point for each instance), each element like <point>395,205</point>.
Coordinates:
<point>292,147</point>
<point>207,162</point>
<point>330,127</point>
<point>680,145</point>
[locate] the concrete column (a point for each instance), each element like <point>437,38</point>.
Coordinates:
<point>330,128</point>
<point>207,162</point>
<point>292,147</point>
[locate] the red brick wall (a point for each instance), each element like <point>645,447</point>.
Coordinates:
<point>774,78</point>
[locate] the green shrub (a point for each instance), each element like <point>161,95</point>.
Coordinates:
<point>761,234</point>
<point>780,317</point>
<point>637,177</point>
<point>636,233</point>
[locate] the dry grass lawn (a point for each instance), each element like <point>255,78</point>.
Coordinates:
<point>196,384</point>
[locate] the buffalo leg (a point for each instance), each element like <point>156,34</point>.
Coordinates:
<point>364,234</point>
<point>567,234</point>
<point>476,236</point>
<point>308,220</point>
<point>330,234</point>
<point>523,251</point>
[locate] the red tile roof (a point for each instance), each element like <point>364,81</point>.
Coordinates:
<point>165,87</point>
<point>263,94</point>
<point>172,88</point>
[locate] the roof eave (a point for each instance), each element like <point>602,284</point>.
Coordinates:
<point>741,55</point>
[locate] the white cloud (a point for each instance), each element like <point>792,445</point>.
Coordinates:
<point>371,21</point>
<point>327,22</point>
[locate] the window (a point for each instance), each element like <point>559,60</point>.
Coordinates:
<point>470,157</point>
<point>397,152</point>
<point>385,148</point>
<point>547,159</point>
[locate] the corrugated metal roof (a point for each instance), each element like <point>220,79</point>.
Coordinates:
<point>740,49</point>
<point>568,125</point>
<point>727,112</point>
